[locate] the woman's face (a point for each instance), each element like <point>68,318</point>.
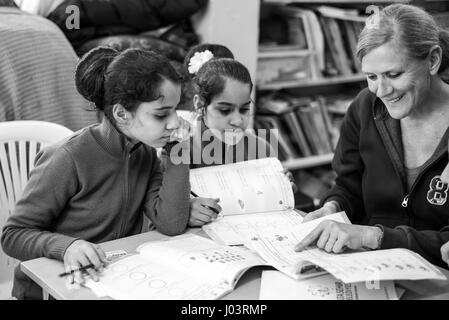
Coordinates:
<point>153,122</point>
<point>400,82</point>
<point>229,111</point>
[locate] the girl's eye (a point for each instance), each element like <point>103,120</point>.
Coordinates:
<point>244,110</point>
<point>371,77</point>
<point>224,111</point>
<point>161,116</point>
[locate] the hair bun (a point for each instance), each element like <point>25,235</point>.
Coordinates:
<point>90,71</point>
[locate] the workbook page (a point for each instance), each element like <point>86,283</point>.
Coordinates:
<point>390,264</point>
<point>277,286</point>
<point>245,187</point>
<point>201,257</point>
<point>135,278</point>
<point>277,247</point>
<point>232,230</point>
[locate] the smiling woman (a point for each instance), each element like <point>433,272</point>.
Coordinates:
<point>96,185</point>
<point>394,142</point>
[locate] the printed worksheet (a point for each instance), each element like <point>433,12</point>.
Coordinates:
<point>179,268</point>
<point>253,186</point>
<point>134,278</point>
<point>390,264</point>
<point>277,248</point>
<point>254,195</point>
<point>277,286</point>
<point>233,229</point>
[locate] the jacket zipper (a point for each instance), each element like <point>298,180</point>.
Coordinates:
<point>407,196</point>
<point>126,195</point>
<point>382,135</point>
<point>405,200</point>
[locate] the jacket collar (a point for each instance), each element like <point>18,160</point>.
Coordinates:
<point>380,113</point>
<point>113,141</point>
<point>390,131</point>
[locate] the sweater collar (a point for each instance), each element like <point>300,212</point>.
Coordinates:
<point>114,141</point>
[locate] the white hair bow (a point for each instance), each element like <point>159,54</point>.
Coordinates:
<point>198,59</point>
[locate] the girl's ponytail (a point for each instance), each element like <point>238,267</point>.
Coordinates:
<point>90,73</point>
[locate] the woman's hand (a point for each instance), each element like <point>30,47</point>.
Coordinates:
<point>290,177</point>
<point>82,253</point>
<point>327,209</point>
<point>335,236</point>
<point>445,252</point>
<point>203,210</point>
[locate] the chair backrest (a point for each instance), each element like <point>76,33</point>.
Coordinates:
<point>20,141</point>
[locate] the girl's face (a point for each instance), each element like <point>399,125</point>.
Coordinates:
<point>153,122</point>
<point>401,83</point>
<point>229,111</point>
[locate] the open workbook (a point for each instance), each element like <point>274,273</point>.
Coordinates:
<point>277,248</point>
<point>254,195</point>
<point>180,268</point>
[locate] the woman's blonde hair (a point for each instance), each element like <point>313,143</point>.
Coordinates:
<point>411,27</point>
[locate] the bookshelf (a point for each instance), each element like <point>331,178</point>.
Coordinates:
<point>312,83</point>
<point>308,162</point>
<point>235,23</point>
<point>317,83</point>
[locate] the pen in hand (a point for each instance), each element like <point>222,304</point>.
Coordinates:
<point>209,207</point>
<point>83,268</point>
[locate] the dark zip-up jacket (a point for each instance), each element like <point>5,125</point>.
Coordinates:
<point>95,186</point>
<point>371,181</point>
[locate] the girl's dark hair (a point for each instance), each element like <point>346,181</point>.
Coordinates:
<point>106,77</point>
<point>218,50</point>
<point>211,77</point>
<point>411,27</point>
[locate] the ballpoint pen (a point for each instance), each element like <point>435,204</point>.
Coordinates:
<point>83,268</point>
<point>209,207</point>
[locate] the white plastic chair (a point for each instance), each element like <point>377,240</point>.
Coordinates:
<point>20,141</point>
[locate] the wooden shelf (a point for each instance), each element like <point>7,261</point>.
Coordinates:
<point>310,82</point>
<point>308,162</point>
<point>279,53</point>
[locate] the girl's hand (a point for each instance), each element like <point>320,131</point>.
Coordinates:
<point>327,209</point>
<point>182,133</point>
<point>203,210</point>
<point>292,180</point>
<point>82,253</point>
<point>445,252</point>
<point>335,236</point>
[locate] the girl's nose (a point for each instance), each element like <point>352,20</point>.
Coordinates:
<point>173,121</point>
<point>236,119</point>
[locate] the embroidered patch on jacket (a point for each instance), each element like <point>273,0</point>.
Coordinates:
<point>437,193</point>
